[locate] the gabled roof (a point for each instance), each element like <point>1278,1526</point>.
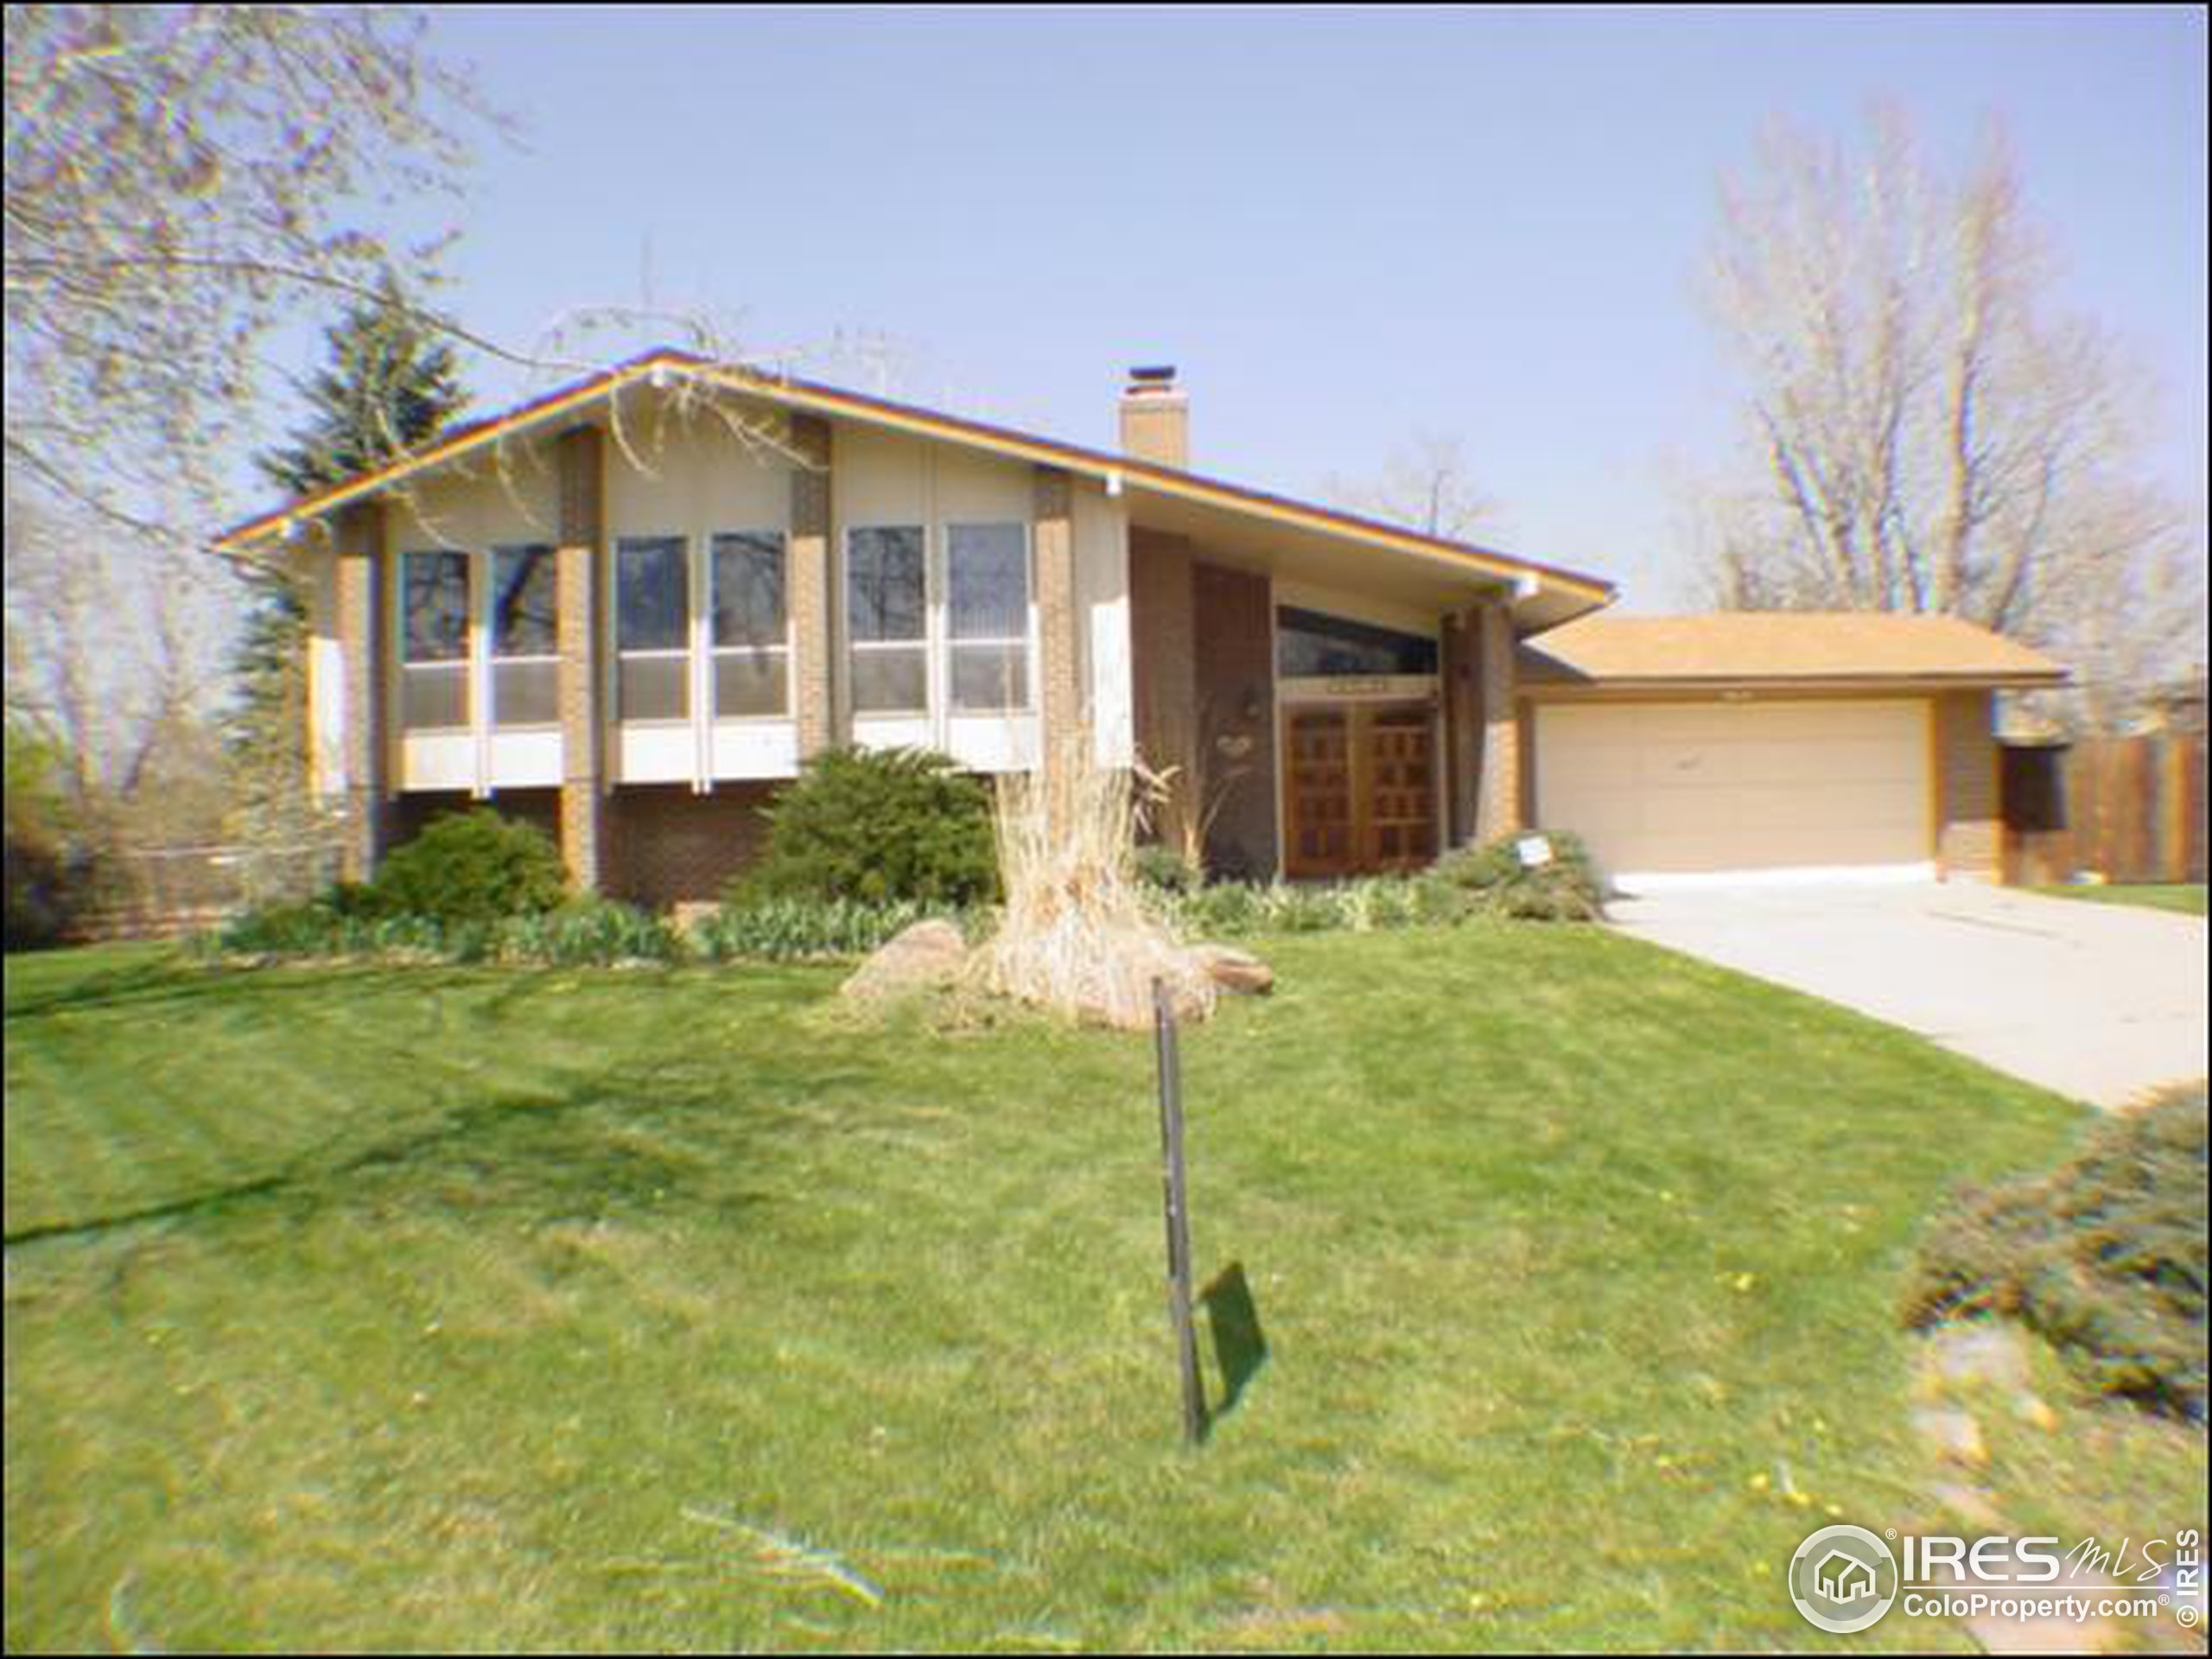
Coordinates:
<point>809,396</point>
<point>1781,647</point>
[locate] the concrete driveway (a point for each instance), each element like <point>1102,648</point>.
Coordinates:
<point>2099,1001</point>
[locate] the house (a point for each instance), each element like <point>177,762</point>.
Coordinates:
<point>1844,1578</point>
<point>631,608</point>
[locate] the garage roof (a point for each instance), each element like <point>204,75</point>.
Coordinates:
<point>1781,648</point>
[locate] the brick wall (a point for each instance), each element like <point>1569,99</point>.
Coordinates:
<point>410,813</point>
<point>1234,636</point>
<point>666,845</point>
<point>579,603</point>
<point>661,844</point>
<point>810,590</point>
<point>1162,658</point>
<point>1457,663</point>
<point>1498,809</point>
<point>1060,697</point>
<point>361,647</point>
<point>1969,810</point>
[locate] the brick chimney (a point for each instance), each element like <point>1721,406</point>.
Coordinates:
<point>1156,418</point>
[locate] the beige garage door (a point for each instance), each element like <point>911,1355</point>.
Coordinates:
<point>1686,790</point>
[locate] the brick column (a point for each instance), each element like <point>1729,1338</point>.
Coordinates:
<point>1163,652</point>
<point>1457,663</point>
<point>1498,807</point>
<point>1060,694</point>
<point>1970,835</point>
<point>812,623</point>
<point>362,650</point>
<point>578,587</point>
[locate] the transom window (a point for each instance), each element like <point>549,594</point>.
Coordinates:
<point>1313,644</point>
<point>434,640</point>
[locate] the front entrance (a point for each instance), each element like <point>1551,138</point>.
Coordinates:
<point>1359,789</point>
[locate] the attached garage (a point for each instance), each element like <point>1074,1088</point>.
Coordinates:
<point>1811,788</point>
<point>1771,747</point>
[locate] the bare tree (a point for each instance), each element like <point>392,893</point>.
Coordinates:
<point>180,179</point>
<point>1425,485</point>
<point>1923,433</point>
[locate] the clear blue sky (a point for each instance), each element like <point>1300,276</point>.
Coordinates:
<point>1343,225</point>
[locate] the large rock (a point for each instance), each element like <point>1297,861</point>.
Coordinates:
<point>922,957</point>
<point>1233,969</point>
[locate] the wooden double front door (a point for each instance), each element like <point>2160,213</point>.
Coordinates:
<point>1359,788</point>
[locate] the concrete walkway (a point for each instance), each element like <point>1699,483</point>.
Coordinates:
<point>2099,1001</point>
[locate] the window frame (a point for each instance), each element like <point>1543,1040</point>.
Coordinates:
<point>685,652</point>
<point>782,651</point>
<point>1027,639</point>
<point>936,642</point>
<point>495,659</point>
<point>462,666</point>
<point>922,642</point>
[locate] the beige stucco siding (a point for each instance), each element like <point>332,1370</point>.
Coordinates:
<point>1101,592</point>
<point>514,497</point>
<point>693,477</point>
<point>316,565</point>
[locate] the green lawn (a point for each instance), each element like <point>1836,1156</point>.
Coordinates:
<point>2185,897</point>
<point>356,1307</point>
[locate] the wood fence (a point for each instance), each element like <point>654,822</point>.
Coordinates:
<point>2131,808</point>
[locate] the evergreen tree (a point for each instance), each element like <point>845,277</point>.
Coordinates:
<point>390,385</point>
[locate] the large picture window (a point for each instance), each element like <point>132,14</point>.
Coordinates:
<point>751,640</point>
<point>987,617</point>
<point>887,619</point>
<point>652,608</point>
<point>525,637</point>
<point>434,640</point>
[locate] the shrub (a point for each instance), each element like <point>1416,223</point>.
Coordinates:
<point>1564,889</point>
<point>1165,870</point>
<point>309,930</point>
<point>800,930</point>
<point>582,933</point>
<point>50,871</point>
<point>586,931</point>
<point>877,827</point>
<point>466,867</point>
<point>2105,1257</point>
<point>1229,909</point>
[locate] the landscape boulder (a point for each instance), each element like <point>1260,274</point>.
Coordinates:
<point>922,957</point>
<point>1233,969</point>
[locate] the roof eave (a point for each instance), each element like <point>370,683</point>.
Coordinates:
<point>1585,593</point>
<point>1978,680</point>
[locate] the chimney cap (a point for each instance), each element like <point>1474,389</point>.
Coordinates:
<point>1152,374</point>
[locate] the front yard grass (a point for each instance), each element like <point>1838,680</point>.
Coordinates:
<point>364,1306</point>
<point>2187,897</point>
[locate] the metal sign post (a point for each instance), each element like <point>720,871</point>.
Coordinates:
<point>1178,1210</point>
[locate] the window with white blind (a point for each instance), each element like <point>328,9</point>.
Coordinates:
<point>954,628</point>
<point>652,608</point>
<point>434,640</point>
<point>987,618</point>
<point>525,637</point>
<point>750,637</point>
